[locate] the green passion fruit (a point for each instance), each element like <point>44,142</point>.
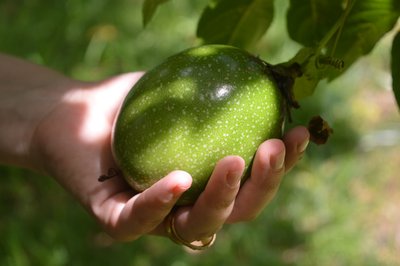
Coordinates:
<point>192,110</point>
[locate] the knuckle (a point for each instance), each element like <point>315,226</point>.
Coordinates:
<point>269,183</point>
<point>272,185</point>
<point>221,204</point>
<point>158,203</point>
<point>144,224</point>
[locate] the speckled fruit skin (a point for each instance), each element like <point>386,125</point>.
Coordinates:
<point>192,110</point>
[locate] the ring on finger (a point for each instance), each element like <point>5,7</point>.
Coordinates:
<point>175,237</point>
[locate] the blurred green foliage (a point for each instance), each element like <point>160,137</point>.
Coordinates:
<point>338,207</point>
<point>91,39</point>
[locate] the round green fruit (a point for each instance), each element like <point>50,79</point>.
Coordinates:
<point>192,110</point>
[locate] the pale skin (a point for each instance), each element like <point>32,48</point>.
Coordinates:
<point>62,127</point>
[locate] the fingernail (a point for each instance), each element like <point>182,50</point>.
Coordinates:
<point>279,161</point>
<point>302,147</point>
<point>175,193</point>
<point>181,183</point>
<point>233,179</point>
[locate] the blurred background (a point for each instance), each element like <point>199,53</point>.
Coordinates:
<point>339,206</point>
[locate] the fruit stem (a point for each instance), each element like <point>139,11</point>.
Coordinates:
<point>285,76</point>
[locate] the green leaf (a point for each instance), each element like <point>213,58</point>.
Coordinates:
<point>149,8</point>
<point>352,34</point>
<point>395,65</point>
<point>309,20</point>
<point>366,24</point>
<point>239,23</point>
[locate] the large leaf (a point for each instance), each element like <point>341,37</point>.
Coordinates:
<point>309,20</point>
<point>396,67</point>
<point>366,24</point>
<point>149,8</point>
<point>358,30</point>
<point>240,23</point>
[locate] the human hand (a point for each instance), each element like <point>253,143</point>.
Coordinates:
<point>225,200</point>
<point>72,144</point>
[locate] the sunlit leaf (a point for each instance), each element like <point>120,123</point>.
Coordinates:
<point>396,67</point>
<point>240,23</point>
<point>149,8</point>
<point>309,20</point>
<point>367,22</point>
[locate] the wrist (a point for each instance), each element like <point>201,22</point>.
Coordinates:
<point>28,93</point>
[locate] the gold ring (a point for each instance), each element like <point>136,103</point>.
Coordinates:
<point>174,236</point>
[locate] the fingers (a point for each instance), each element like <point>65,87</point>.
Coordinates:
<point>260,188</point>
<point>219,203</point>
<point>296,142</point>
<point>273,158</point>
<point>215,204</point>
<point>132,217</point>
